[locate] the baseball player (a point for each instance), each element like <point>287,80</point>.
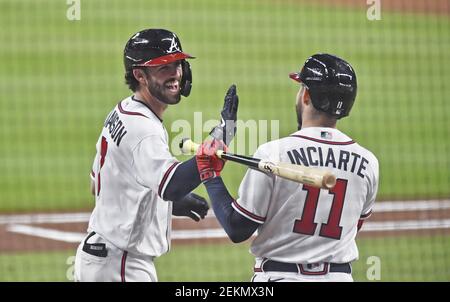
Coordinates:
<point>305,233</point>
<point>136,181</point>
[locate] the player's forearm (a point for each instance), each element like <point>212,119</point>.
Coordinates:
<point>237,227</point>
<point>184,180</point>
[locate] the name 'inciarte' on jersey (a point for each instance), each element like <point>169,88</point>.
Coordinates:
<point>116,127</point>
<point>316,156</point>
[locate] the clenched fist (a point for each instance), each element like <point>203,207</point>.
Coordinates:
<point>209,165</point>
<point>192,205</point>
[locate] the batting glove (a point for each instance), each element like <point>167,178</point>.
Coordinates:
<point>209,165</point>
<point>226,130</point>
<point>192,205</point>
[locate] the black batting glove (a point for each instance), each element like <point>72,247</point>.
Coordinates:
<point>226,130</point>
<point>192,205</point>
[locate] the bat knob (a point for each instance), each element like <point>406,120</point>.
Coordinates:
<point>188,146</point>
<point>329,181</point>
<point>182,142</point>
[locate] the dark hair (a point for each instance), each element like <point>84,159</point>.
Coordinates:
<point>131,81</point>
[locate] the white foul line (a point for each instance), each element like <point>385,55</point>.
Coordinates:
<point>410,206</point>
<point>379,207</point>
<point>17,223</point>
<point>46,233</point>
<point>57,218</point>
<point>220,233</point>
<point>45,218</point>
<point>199,234</point>
<point>406,225</point>
<point>73,237</point>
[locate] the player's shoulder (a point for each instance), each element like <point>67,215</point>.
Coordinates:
<point>360,149</point>
<point>139,118</point>
<point>273,149</point>
<point>277,146</point>
<point>372,160</point>
<point>367,154</point>
<point>269,147</point>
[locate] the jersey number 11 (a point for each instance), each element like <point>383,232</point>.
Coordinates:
<point>331,229</point>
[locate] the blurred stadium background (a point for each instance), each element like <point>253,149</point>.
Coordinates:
<point>59,78</point>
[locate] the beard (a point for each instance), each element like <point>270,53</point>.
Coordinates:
<point>298,111</point>
<point>163,94</point>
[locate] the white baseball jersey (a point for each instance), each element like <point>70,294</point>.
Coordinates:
<point>302,224</point>
<point>131,170</point>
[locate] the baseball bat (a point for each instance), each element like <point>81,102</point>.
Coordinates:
<point>301,174</point>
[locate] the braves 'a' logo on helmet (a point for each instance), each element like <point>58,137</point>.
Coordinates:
<point>173,44</point>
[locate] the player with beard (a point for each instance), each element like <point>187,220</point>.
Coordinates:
<point>305,233</point>
<point>137,183</point>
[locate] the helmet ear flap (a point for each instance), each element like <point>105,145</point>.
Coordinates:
<point>186,79</point>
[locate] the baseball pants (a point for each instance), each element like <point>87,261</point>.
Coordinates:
<point>100,261</point>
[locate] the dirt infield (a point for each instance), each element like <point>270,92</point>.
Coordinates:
<point>62,231</point>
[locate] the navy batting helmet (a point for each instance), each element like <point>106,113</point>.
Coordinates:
<point>155,47</point>
<point>331,83</point>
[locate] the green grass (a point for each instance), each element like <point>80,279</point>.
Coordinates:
<point>60,78</point>
<point>401,259</point>
<point>36,266</point>
<point>405,258</point>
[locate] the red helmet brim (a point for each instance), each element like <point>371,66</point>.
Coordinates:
<point>166,59</point>
<point>295,76</point>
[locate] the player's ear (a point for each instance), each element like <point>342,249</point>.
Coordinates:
<point>140,76</point>
<point>306,99</point>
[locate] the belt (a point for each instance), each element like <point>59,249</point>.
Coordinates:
<point>95,249</point>
<point>305,269</point>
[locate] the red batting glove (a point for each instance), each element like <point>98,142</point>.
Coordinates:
<point>205,170</point>
<point>209,165</point>
<point>216,162</point>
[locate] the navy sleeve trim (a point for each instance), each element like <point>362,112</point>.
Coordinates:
<point>182,181</point>
<point>247,213</point>
<point>365,216</point>
<point>123,111</point>
<point>165,177</point>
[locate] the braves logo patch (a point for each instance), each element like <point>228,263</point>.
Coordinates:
<point>174,47</point>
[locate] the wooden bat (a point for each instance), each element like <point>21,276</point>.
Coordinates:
<point>301,174</point>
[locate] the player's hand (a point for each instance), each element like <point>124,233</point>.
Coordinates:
<point>192,205</point>
<point>209,165</point>
<point>226,130</point>
<point>211,148</point>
